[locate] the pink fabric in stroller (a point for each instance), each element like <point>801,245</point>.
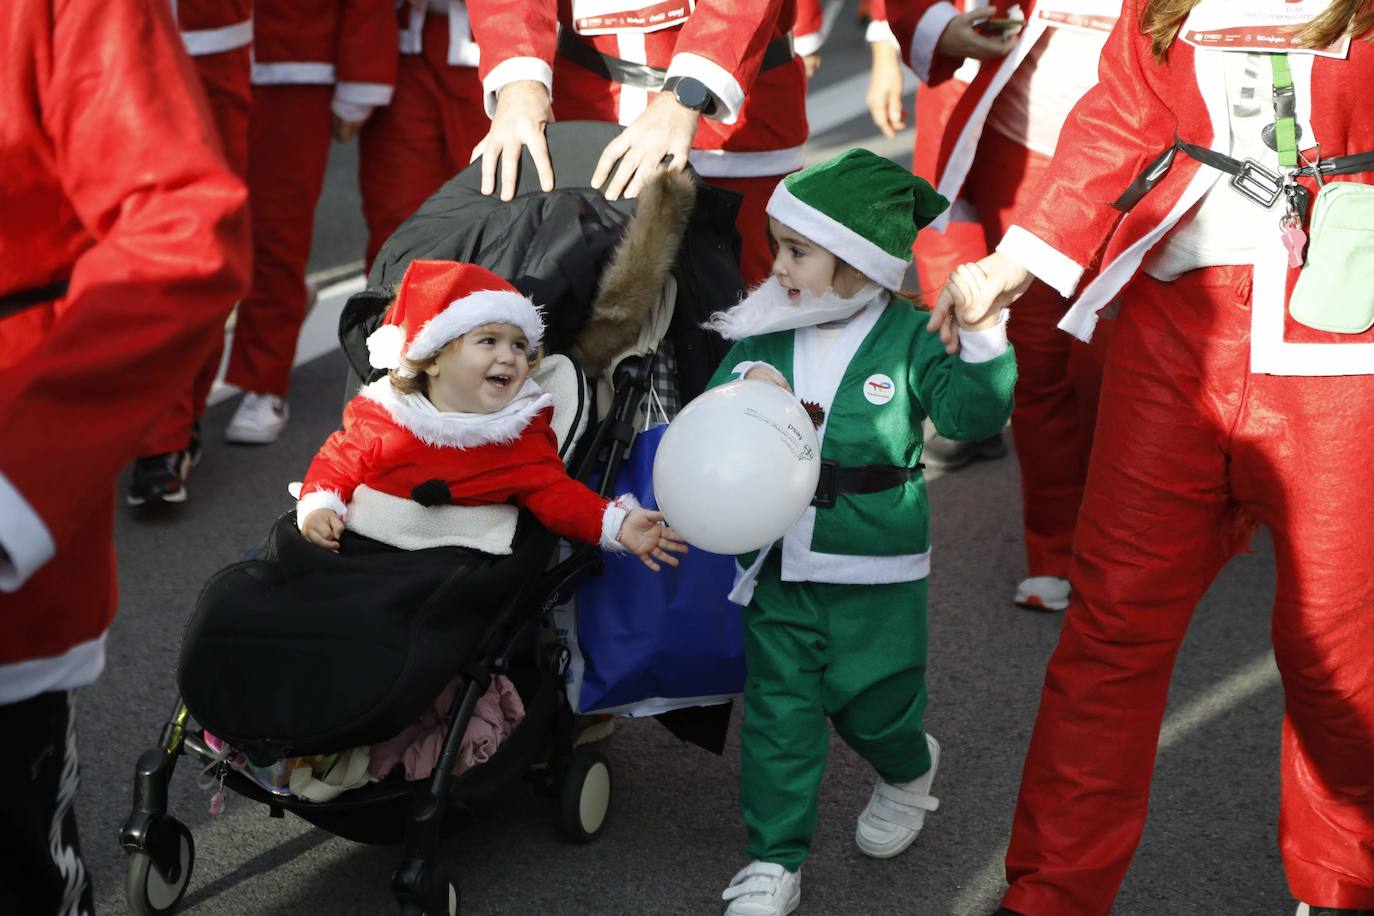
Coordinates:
<point>419,745</point>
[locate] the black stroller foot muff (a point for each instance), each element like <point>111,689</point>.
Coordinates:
<point>300,650</point>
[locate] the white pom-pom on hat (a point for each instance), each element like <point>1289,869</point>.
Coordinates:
<point>384,346</point>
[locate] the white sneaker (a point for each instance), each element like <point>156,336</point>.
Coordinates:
<point>259,420</point>
<point>763,889</point>
<point>896,813</point>
<point>1043,593</point>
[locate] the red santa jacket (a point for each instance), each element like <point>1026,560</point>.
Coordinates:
<point>124,224</point>
<point>462,48</point>
<point>319,42</point>
<point>760,128</point>
<point>808,31</point>
<point>918,25</point>
<point>1123,124</point>
<point>393,449</point>
<point>214,26</point>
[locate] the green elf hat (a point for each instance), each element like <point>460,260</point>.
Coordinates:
<point>862,208</point>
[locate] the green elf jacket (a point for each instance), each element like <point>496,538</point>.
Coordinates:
<point>880,377</point>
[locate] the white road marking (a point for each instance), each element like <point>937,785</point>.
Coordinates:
<point>984,889</point>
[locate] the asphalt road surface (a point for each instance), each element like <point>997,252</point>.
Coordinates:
<point>674,836</point>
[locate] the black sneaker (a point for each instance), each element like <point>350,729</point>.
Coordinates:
<point>1305,910</point>
<point>951,455</point>
<point>162,478</point>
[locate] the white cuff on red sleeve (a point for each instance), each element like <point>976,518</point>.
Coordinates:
<point>986,344</point>
<point>723,85</point>
<point>1059,271</point>
<point>879,32</point>
<point>320,499</point>
<point>613,518</point>
<point>927,36</point>
<point>804,45</point>
<point>512,71</point>
<point>25,540</point>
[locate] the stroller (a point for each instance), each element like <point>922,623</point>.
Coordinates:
<point>626,286</point>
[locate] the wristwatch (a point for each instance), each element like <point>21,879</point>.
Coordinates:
<point>691,93</point>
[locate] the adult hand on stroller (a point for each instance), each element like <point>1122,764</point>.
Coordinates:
<point>644,534</point>
<point>975,294</point>
<point>666,128</point>
<point>885,89</point>
<point>522,112</point>
<point>323,528</point>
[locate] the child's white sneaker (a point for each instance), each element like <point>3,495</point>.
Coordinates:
<point>258,420</point>
<point>896,813</point>
<point>763,889</point>
<point>1043,593</point>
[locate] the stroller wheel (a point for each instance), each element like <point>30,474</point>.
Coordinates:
<point>154,888</point>
<point>450,903</point>
<point>585,797</point>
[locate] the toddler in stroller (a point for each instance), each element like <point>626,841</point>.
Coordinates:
<point>275,668</point>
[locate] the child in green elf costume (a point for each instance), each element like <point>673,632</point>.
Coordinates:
<point>835,613</point>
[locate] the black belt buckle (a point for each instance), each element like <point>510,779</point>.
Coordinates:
<point>827,487</point>
<point>1258,183</point>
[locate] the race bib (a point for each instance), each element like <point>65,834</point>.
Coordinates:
<point>1092,16</point>
<point>1256,25</point>
<point>608,17</point>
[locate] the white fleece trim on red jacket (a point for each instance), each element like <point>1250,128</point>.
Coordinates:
<point>927,35</point>
<point>78,667</point>
<point>25,539</point>
<point>320,499</point>
<point>203,42</point>
<point>512,71</point>
<point>418,415</point>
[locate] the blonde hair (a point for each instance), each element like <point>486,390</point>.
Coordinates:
<point>1161,20</point>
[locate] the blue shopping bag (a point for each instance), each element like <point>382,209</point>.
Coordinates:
<point>644,642</point>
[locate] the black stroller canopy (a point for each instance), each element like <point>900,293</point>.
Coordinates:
<point>553,247</point>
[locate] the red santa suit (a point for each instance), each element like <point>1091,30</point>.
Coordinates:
<point>126,236</point>
<point>395,443</point>
<point>740,49</point>
<point>217,35</point>
<point>426,135</point>
<point>310,57</point>
<point>1219,411</point>
<point>994,145</point>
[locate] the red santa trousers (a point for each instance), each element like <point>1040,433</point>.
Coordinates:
<point>422,139</point>
<point>1058,376</point>
<point>225,79</point>
<point>938,253</point>
<point>756,251</point>
<point>1192,450</point>
<point>288,148</point>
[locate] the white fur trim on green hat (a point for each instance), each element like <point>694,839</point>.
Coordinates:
<point>837,238</point>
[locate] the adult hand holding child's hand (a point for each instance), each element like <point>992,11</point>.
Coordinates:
<point>644,535</point>
<point>323,527</point>
<point>974,296</point>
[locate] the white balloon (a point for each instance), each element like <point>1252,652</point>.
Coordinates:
<point>737,467</point>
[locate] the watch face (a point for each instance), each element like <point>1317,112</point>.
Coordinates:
<point>691,93</point>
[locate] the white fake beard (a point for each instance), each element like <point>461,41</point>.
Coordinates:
<point>768,308</point>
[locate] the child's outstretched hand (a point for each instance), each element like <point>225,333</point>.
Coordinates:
<point>644,535</point>
<point>323,527</point>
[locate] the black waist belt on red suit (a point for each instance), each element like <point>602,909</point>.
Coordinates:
<point>12,303</point>
<point>1257,182</point>
<point>867,478</point>
<point>642,76</point>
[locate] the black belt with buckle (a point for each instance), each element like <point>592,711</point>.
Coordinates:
<point>13,303</point>
<point>1250,178</point>
<point>642,76</point>
<point>868,478</point>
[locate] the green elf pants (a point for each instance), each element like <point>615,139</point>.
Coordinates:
<point>854,653</point>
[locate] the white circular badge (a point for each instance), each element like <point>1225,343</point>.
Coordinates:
<point>878,389</point>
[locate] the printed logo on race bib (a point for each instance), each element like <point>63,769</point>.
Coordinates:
<point>878,389</point>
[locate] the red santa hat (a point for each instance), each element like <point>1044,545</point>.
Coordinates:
<point>440,301</point>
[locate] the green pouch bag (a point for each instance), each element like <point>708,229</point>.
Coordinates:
<point>1335,291</point>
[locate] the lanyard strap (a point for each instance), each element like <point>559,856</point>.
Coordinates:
<point>1285,109</point>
